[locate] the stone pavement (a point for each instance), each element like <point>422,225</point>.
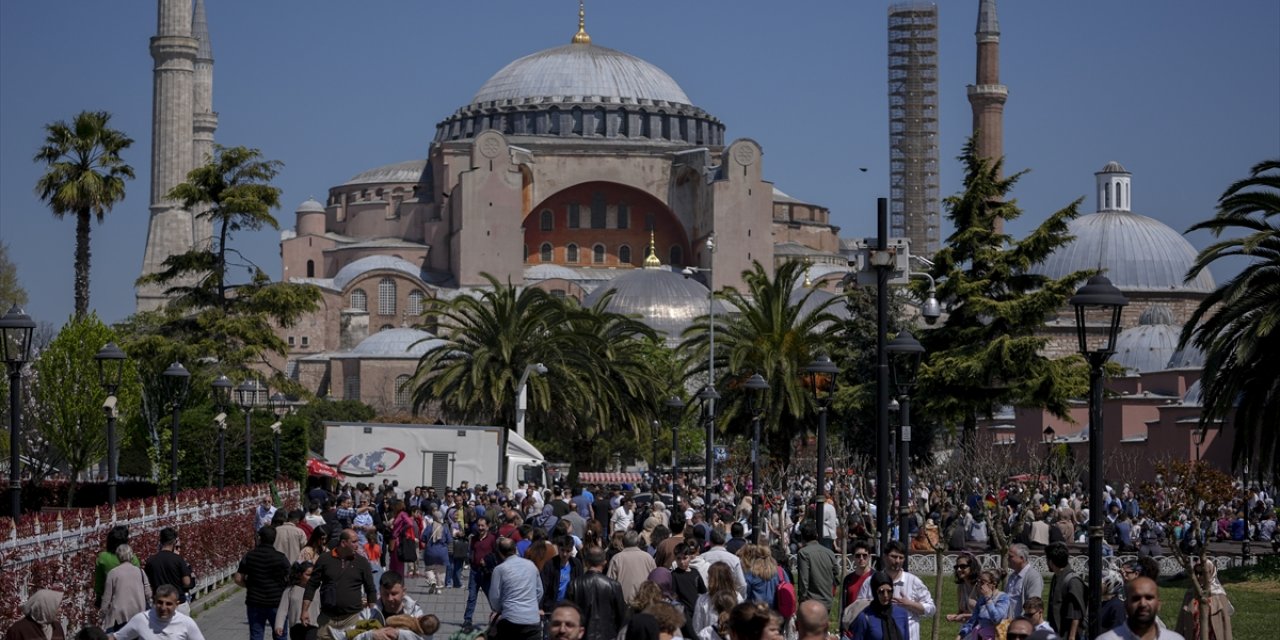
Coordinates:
<point>226,620</point>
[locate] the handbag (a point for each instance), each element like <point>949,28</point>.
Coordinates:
<point>408,549</point>
<point>460,549</point>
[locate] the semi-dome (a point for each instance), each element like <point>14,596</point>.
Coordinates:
<point>310,205</point>
<point>402,342</point>
<point>1135,252</point>
<point>1188,357</point>
<point>1150,345</point>
<point>407,171</point>
<point>581,73</point>
<point>665,300</point>
<point>366,264</point>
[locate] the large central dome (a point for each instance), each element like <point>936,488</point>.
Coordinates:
<point>581,73</point>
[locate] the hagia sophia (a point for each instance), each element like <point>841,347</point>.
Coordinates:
<point>579,169</point>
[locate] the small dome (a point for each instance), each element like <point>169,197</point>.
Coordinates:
<point>366,264</point>
<point>1146,347</point>
<point>310,205</point>
<point>1135,252</point>
<point>398,343</point>
<point>1192,397</point>
<point>1113,167</point>
<point>1188,357</point>
<point>665,300</point>
<point>1157,314</point>
<point>407,171</point>
<point>581,73</point>
<point>818,298</point>
<point>547,271</point>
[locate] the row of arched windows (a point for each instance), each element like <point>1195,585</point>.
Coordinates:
<point>358,299</point>
<point>572,254</point>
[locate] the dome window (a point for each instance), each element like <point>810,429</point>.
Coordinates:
<point>544,252</point>
<point>571,253</point>
<point>386,297</point>
<point>359,300</point>
<point>597,254</point>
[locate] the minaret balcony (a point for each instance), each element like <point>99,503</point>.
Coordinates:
<point>988,90</point>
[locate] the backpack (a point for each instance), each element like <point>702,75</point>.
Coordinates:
<point>784,598</point>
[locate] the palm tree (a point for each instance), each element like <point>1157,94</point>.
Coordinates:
<point>770,333</point>
<point>1238,325</point>
<point>86,178</point>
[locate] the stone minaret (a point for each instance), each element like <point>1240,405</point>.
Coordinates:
<point>987,95</point>
<point>205,119</point>
<point>174,51</point>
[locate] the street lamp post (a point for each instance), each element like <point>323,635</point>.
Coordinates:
<point>756,386</point>
<point>883,262</point>
<point>708,397</point>
<point>222,399</point>
<point>653,464</point>
<point>674,405</point>
<point>177,382</point>
<point>247,398</point>
<point>906,352</point>
<point>280,407</point>
<point>1049,434</point>
<point>16,328</point>
<point>110,367</point>
<point>1098,304</point>
<point>822,374</point>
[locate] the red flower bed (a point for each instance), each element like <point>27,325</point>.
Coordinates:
<point>60,549</point>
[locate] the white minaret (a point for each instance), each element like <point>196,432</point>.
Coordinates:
<point>1113,188</point>
<point>174,51</point>
<point>205,120</point>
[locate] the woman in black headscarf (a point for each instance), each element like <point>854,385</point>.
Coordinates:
<point>882,619</point>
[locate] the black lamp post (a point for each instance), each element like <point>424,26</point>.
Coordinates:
<point>177,382</point>
<point>247,399</point>
<point>222,398</point>
<point>1098,305</point>
<point>822,374</point>
<point>1049,435</point>
<point>675,406</point>
<point>906,352</point>
<point>708,397</point>
<point>654,467</point>
<point>280,407</point>
<point>756,386</point>
<point>110,367</point>
<point>883,262</point>
<point>16,328</point>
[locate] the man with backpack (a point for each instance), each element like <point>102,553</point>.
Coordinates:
<point>1067,601</point>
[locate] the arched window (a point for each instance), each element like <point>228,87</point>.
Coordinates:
<point>416,298</point>
<point>386,297</point>
<point>359,300</point>
<point>351,388</point>
<point>624,254</point>
<point>677,256</point>
<point>311,268</point>
<point>402,391</point>
<point>571,253</point>
<point>1107,188</point>
<point>548,220</point>
<point>597,254</point>
<point>544,252</point>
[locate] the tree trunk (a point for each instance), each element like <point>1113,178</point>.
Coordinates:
<point>82,263</point>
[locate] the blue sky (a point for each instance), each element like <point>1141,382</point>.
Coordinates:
<point>1185,94</point>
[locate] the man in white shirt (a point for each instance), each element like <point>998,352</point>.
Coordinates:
<point>1024,582</point>
<point>1141,604</point>
<point>908,591</point>
<point>830,523</point>
<point>717,553</point>
<point>162,622</point>
<point>624,517</point>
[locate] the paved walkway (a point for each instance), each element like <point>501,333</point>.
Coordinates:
<point>226,621</point>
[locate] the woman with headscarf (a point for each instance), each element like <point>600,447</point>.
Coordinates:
<point>1112,614</point>
<point>1216,612</point>
<point>436,538</point>
<point>882,619</point>
<point>128,592</point>
<point>40,618</point>
<point>991,609</point>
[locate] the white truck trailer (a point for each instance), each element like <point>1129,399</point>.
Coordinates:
<point>432,455</point>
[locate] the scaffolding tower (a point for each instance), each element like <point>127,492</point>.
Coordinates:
<point>913,126</point>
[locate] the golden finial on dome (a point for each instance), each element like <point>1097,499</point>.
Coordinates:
<point>651,261</point>
<point>581,36</point>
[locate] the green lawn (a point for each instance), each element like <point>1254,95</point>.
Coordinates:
<point>1256,599</point>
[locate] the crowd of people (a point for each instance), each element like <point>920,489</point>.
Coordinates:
<point>623,562</point>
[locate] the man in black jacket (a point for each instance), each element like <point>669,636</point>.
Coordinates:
<point>558,573</point>
<point>264,574</point>
<point>345,582</point>
<point>604,610</point>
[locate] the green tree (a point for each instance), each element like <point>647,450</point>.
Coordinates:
<point>1238,325</point>
<point>987,352</point>
<point>11,291</point>
<point>68,395</point>
<point>771,335</point>
<point>85,178</point>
